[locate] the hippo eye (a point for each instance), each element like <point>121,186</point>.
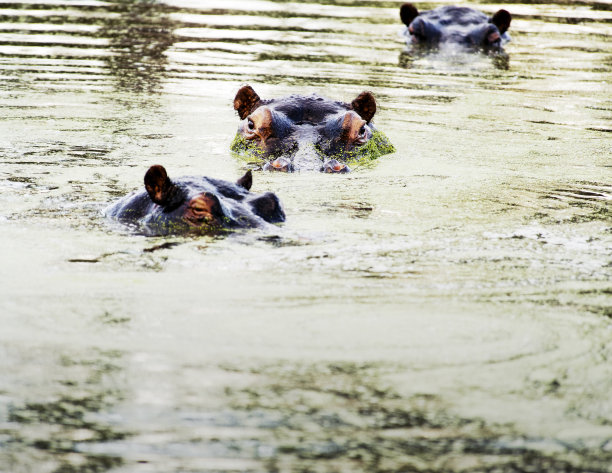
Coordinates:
<point>250,125</point>
<point>362,131</point>
<point>199,210</point>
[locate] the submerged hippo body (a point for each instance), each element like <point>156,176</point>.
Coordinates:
<point>452,25</point>
<point>298,132</point>
<point>195,203</point>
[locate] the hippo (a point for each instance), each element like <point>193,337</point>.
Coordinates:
<point>195,204</point>
<point>454,25</point>
<point>307,132</point>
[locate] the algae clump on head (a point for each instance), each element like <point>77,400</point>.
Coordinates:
<point>247,150</point>
<point>163,227</point>
<point>375,147</point>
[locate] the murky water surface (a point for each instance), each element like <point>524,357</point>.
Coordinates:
<point>445,309</point>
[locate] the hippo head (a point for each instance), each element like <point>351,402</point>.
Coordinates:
<point>307,132</point>
<point>195,203</point>
<point>456,25</point>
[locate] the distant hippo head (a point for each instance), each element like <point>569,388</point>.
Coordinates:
<point>455,25</point>
<point>307,132</point>
<point>195,203</point>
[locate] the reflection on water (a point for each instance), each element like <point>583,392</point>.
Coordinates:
<point>87,41</point>
<point>49,425</point>
<point>343,417</point>
<point>458,58</point>
<point>446,309</point>
<point>139,36</point>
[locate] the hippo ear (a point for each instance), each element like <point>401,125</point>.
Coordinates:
<point>158,184</point>
<point>502,20</point>
<point>246,181</point>
<point>212,204</point>
<point>268,207</point>
<point>365,105</point>
<point>245,100</point>
<point>408,12</point>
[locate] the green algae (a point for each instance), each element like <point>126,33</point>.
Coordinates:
<point>378,145</point>
<point>161,226</point>
<point>247,150</point>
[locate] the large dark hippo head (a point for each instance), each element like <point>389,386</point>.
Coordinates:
<point>195,203</point>
<point>456,25</point>
<point>300,132</point>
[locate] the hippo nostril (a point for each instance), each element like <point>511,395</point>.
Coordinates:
<point>279,164</point>
<point>335,166</point>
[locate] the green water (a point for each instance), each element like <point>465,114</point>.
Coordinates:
<point>445,308</point>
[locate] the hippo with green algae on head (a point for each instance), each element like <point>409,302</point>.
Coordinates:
<point>298,133</point>
<point>195,204</point>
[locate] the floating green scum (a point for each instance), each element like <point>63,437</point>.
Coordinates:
<point>375,147</point>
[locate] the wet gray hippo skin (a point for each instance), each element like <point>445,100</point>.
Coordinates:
<point>456,25</point>
<point>298,133</point>
<point>195,204</point>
